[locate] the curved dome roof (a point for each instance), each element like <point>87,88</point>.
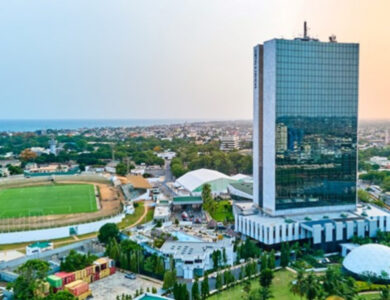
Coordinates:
<point>372,258</point>
<point>196,178</point>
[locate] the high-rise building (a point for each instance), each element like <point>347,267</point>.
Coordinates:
<point>305,146</point>
<point>306,98</point>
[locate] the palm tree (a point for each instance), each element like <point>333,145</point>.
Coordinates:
<point>297,286</point>
<point>265,293</point>
<point>385,294</point>
<point>311,286</point>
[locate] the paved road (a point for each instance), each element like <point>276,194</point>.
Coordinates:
<point>168,177</point>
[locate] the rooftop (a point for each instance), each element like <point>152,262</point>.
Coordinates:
<point>40,245</point>
<point>369,258</point>
<point>182,199</point>
<point>138,182</point>
<point>245,187</point>
<point>191,250</point>
<point>148,296</point>
<point>194,179</point>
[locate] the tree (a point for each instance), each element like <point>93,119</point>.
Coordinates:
<point>76,261</point>
<point>113,249</point>
<point>61,295</point>
<point>266,276</point>
<point>335,283</point>
<point>265,293</point>
<point>207,197</point>
<point>311,286</point>
<point>15,170</point>
<point>195,290</point>
<point>385,293</point>
<point>205,289</point>
<point>264,261</point>
<point>31,274</point>
<point>28,155</point>
<point>284,255</point>
<point>107,232</point>
<point>218,281</point>
<point>121,169</point>
<point>216,257</point>
<point>169,279</point>
<point>271,260</point>
<point>247,288</point>
<point>224,257</point>
<point>180,292</point>
<point>297,286</point>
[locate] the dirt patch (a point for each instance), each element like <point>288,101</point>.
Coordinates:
<point>110,199</point>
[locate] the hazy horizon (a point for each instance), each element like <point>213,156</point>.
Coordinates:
<point>169,59</point>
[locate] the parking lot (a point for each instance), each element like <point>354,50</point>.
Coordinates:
<point>108,288</point>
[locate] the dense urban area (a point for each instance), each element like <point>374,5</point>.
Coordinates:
<point>153,213</point>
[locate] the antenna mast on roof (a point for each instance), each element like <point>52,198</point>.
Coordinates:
<point>304,30</point>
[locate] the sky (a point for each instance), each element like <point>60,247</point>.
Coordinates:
<point>169,59</point>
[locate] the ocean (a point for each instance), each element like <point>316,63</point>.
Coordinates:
<point>33,125</point>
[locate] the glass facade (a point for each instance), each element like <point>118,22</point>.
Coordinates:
<point>316,107</point>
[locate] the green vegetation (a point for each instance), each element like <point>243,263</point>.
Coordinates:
<point>131,219</point>
<point>129,256</point>
<point>246,250</point>
<point>279,288</point>
<point>192,157</point>
<point>223,211</point>
<point>76,261</point>
<point>31,275</point>
<point>121,169</point>
<point>149,216</point>
<point>180,292</point>
<point>381,178</point>
<point>381,238</point>
<point>61,295</point>
<point>220,211</point>
<point>47,200</point>
<point>108,232</point>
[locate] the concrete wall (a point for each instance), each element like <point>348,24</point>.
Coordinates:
<point>55,233</point>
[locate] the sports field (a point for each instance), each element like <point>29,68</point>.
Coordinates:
<point>47,200</point>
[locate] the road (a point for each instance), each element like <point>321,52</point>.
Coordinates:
<point>168,177</point>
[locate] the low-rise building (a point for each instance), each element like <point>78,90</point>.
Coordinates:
<point>192,182</point>
<point>193,258</point>
<point>325,230</point>
<point>38,247</point>
<point>241,190</point>
<point>229,143</point>
<point>167,155</point>
<point>162,213</point>
<point>51,169</point>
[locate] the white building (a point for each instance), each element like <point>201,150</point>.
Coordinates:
<point>229,143</point>
<point>323,229</point>
<point>193,181</point>
<point>167,155</point>
<point>381,161</point>
<point>38,247</point>
<point>370,259</point>
<point>194,258</point>
<point>162,213</point>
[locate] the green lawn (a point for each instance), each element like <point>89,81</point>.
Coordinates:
<point>280,288</point>
<point>149,216</point>
<point>375,296</point>
<point>47,200</point>
<point>131,219</point>
<point>223,211</point>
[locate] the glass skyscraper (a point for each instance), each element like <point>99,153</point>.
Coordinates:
<point>305,125</point>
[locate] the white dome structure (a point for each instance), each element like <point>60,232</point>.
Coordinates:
<point>373,259</point>
<point>194,180</point>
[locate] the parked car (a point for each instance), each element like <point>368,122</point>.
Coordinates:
<point>130,276</point>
